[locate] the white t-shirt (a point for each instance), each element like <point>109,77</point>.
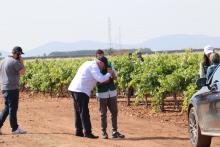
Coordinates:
<point>86,78</point>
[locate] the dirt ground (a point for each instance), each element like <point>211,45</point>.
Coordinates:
<point>49,122</point>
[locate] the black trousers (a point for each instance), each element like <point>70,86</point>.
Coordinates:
<point>81,110</point>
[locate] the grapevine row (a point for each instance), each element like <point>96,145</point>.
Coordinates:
<point>156,77</point>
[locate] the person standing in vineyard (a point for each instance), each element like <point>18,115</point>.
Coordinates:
<point>206,61</point>
<point>107,96</point>
<point>10,70</point>
<point>81,86</point>
<point>214,58</point>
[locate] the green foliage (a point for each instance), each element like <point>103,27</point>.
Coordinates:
<point>190,90</point>
<point>124,67</point>
<point>157,76</point>
<point>52,76</point>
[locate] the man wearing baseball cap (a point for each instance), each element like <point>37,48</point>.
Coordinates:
<point>11,68</point>
<point>81,86</point>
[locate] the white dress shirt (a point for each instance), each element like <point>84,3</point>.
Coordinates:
<point>86,78</point>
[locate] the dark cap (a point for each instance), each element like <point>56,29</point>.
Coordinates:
<point>17,50</point>
<point>104,60</point>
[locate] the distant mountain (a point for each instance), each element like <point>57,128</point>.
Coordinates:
<point>4,53</point>
<point>170,42</point>
<point>173,42</point>
<point>60,46</point>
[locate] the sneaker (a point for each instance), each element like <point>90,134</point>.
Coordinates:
<point>104,135</point>
<point>19,131</point>
<point>90,135</point>
<point>79,134</point>
<point>117,135</point>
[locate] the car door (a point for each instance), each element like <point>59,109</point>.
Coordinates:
<point>208,104</point>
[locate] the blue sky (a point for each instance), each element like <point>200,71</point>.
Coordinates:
<point>30,23</point>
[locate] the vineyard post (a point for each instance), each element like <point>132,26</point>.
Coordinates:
<point>129,96</point>
<point>162,102</point>
<point>176,102</point>
<point>145,97</point>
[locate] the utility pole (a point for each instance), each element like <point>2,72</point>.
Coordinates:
<point>109,34</point>
<point>119,37</point>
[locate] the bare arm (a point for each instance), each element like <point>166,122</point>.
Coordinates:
<point>22,71</point>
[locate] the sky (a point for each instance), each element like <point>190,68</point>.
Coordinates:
<point>32,23</point>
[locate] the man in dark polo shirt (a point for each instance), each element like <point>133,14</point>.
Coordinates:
<point>107,96</point>
<point>10,70</point>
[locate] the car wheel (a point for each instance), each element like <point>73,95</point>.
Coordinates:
<point>196,138</point>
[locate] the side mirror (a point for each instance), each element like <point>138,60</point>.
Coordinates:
<point>216,81</point>
<point>201,82</point>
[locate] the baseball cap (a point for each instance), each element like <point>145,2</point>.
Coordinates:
<point>208,49</point>
<point>104,60</point>
<point>17,49</point>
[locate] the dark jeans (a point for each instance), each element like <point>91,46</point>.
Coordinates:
<point>82,117</point>
<point>11,98</point>
<point>111,104</point>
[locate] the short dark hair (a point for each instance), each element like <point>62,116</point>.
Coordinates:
<point>99,52</point>
<point>214,58</point>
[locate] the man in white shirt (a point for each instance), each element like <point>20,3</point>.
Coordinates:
<point>81,86</point>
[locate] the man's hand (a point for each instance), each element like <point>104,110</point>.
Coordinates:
<point>114,76</point>
<point>109,70</point>
<point>22,71</point>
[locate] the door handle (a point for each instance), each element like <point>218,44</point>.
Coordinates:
<point>214,87</point>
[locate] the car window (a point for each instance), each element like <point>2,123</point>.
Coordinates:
<point>216,76</point>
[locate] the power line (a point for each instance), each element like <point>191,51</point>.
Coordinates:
<point>109,33</point>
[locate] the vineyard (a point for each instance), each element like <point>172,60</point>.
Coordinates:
<point>159,76</point>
